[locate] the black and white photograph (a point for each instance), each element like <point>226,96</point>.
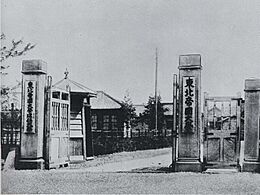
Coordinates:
<point>130,96</point>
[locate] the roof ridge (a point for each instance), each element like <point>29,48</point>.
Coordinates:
<point>73,84</point>
<point>58,82</point>
<point>80,85</point>
<point>118,101</point>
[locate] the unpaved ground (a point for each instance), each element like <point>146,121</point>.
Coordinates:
<point>157,161</point>
<point>88,178</point>
<point>127,161</point>
<point>75,182</point>
<point>162,156</point>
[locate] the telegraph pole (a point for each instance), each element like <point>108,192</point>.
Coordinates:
<point>174,125</point>
<point>155,94</point>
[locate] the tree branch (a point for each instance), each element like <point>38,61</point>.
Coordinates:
<point>17,49</point>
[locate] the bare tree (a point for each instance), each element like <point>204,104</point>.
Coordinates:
<point>17,48</point>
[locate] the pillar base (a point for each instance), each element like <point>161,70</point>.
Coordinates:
<point>30,164</point>
<point>251,166</point>
<point>188,166</point>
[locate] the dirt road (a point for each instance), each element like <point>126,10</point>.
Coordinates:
<point>126,161</point>
<point>133,161</point>
<point>115,174</point>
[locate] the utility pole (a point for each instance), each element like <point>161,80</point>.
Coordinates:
<point>155,94</point>
<point>174,125</point>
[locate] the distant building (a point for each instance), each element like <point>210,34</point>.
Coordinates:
<point>168,118</point>
<point>106,116</point>
<point>141,129</point>
<point>216,120</point>
<point>13,97</point>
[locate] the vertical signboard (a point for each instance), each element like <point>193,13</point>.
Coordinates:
<point>188,119</point>
<point>29,122</point>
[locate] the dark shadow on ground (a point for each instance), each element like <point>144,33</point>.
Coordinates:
<point>155,169</point>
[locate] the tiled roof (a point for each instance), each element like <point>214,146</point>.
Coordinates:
<point>74,87</point>
<point>104,101</point>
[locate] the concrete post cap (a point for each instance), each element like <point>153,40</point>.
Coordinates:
<point>190,61</point>
<point>252,84</point>
<point>34,66</point>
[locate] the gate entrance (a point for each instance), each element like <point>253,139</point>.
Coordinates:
<point>221,130</point>
<point>57,127</point>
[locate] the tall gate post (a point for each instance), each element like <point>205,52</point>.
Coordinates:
<point>190,123</point>
<point>252,126</point>
<point>32,131</point>
<point>89,141</point>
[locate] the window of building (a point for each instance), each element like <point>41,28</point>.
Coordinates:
<point>169,124</point>
<point>114,122</point>
<point>94,122</point>
<point>106,122</point>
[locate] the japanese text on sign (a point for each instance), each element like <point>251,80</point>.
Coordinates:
<point>29,107</point>
<point>188,104</point>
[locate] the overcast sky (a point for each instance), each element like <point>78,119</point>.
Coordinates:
<point>110,44</point>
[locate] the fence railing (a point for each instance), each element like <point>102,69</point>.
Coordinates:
<point>10,130</point>
<point>151,133</point>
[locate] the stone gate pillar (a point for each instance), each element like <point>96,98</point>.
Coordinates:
<point>252,126</point>
<point>188,157</point>
<point>32,130</point>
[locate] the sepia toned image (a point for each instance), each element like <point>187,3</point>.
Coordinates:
<point>130,97</point>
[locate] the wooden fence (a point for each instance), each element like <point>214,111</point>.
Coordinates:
<point>10,130</point>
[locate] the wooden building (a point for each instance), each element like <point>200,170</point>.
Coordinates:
<point>142,129</point>
<point>81,146</point>
<point>168,118</point>
<point>106,116</point>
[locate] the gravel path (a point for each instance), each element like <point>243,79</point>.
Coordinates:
<point>146,158</point>
<point>127,161</point>
<point>158,161</point>
<point>89,177</point>
<point>67,181</point>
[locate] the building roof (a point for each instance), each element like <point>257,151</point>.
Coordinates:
<point>74,87</point>
<point>216,110</point>
<point>105,101</point>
